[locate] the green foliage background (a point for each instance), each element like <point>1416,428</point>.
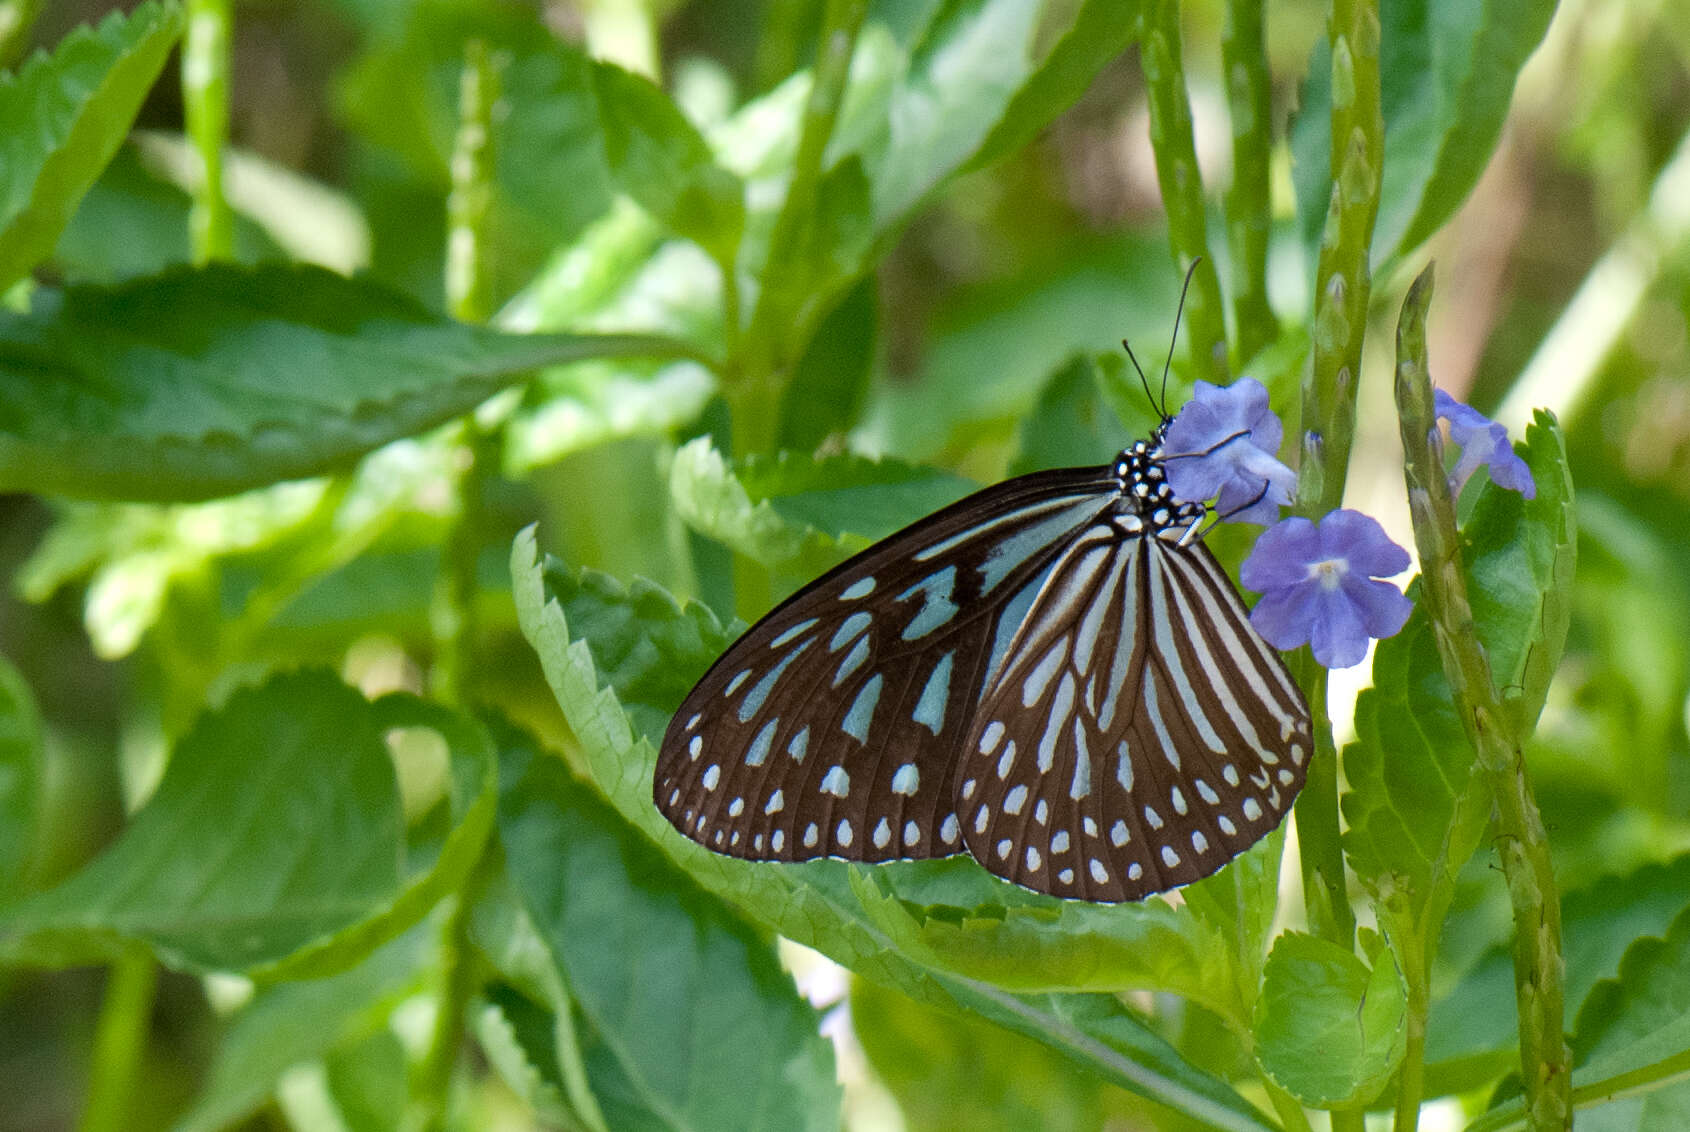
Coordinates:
<point>403,401</point>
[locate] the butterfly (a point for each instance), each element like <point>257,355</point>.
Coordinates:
<point>1053,675</point>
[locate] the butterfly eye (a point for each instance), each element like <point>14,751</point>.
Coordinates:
<point>1049,675</point>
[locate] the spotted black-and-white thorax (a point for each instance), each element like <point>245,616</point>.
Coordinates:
<point>1146,501</point>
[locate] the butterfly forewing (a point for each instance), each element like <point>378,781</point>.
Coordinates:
<point>833,726</point>
<point>1142,734</point>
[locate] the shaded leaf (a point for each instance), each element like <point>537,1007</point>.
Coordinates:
<point>1101,31</point>
<point>661,160</point>
<point>273,845</point>
<point>953,1072</point>
<point>1072,424</point>
<point>634,940</point>
<point>63,116</point>
<point>20,779</point>
<point>203,382</point>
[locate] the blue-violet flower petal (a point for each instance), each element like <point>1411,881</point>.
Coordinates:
<point>1319,585</point>
<point>1224,444</point>
<point>1482,441</point>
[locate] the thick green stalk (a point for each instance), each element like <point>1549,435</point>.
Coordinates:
<point>1342,278</point>
<point>468,299</point>
<point>120,1040</point>
<point>1182,187</point>
<point>1409,943</point>
<point>1539,969</point>
<point>205,104</point>
<point>1249,202</point>
<point>471,197</point>
<point>1329,398</point>
<point>1320,848</point>
<point>769,348</point>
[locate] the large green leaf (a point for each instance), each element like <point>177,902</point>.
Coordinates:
<point>1072,424</point>
<point>62,117</point>
<point>274,844</point>
<point>816,903</point>
<point>197,383</point>
<point>1447,76</point>
<point>704,1028</point>
<point>1329,1031</point>
<point>20,777</point>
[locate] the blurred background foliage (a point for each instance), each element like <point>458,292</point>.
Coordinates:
<point>955,352</point>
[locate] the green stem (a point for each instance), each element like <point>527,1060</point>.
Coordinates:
<point>471,197</point>
<point>205,102</point>
<point>1249,202</point>
<point>1320,847</point>
<point>1408,941</point>
<point>1290,1110</point>
<point>468,298</point>
<point>1182,187</point>
<point>461,979</point>
<point>120,1040</point>
<point>1329,403</point>
<point>1342,279</point>
<point>1539,969</point>
<point>768,347</point>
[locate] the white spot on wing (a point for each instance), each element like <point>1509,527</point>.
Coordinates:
<point>907,780</point>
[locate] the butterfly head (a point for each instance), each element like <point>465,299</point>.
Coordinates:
<point>1146,503</point>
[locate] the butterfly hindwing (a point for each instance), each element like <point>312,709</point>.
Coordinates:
<point>1141,735</point>
<point>832,727</point>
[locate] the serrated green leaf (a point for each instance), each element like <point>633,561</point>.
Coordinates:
<point>519,1040</point>
<point>291,1023</point>
<point>647,648</point>
<point>800,512</point>
<point>204,382</point>
<point>1447,76</point>
<point>20,778</point>
<point>632,938</point>
<point>815,903</point>
<point>273,845</point>
<point>1520,556</point>
<point>661,160</point>
<point>1052,946</point>
<point>1472,1030</point>
<point>63,116</point>
<point>1328,1030</point>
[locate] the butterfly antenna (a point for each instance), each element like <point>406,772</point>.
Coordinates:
<point>1142,380</point>
<point>1178,314</point>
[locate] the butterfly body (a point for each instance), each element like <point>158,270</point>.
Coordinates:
<point>1051,675</point>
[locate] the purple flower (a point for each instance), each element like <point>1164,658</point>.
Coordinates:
<point>1225,442</point>
<point>1482,441</point>
<point>1318,584</point>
